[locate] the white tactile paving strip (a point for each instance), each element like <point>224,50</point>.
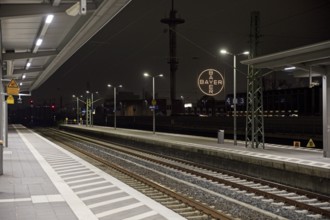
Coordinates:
<point>91,193</point>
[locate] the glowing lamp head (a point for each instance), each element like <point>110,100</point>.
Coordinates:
<point>223,51</point>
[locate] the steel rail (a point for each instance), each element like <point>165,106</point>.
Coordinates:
<point>226,182</point>
<point>186,200</point>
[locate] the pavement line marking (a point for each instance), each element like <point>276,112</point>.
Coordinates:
<point>101,195</point>
<point>89,184</point>
<point>56,163</point>
<point>56,157</point>
<point>77,206</point>
<point>64,164</point>
<point>36,199</point>
<point>47,198</point>
<point>72,171</point>
<point>76,174</point>
<point>15,200</point>
<point>142,216</point>
<point>55,167</point>
<point>95,205</point>
<point>124,208</point>
<point>68,168</point>
<point>59,160</point>
<point>95,176</point>
<point>95,189</point>
<point>7,152</point>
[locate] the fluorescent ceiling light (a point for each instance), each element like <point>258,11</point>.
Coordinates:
<point>290,68</point>
<point>49,19</point>
<point>39,42</point>
<point>28,64</point>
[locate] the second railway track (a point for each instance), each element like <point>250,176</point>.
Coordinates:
<point>292,203</point>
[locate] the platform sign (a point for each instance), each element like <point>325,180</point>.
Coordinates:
<point>153,107</point>
<point>12,88</point>
<point>210,82</point>
<point>10,100</point>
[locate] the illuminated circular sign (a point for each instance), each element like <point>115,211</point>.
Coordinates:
<point>210,82</point>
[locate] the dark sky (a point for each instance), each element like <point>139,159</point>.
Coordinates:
<point>135,42</point>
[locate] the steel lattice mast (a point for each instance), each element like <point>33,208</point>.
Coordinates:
<point>254,131</point>
<point>172,21</point>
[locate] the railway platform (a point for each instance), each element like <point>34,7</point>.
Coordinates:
<point>296,166</point>
<point>43,181</point>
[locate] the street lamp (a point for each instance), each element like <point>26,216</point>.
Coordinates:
<point>234,98</point>
<point>115,104</point>
<point>153,99</point>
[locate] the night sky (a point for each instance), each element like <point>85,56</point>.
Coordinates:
<point>135,42</point>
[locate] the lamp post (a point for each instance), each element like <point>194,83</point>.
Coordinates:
<point>74,96</point>
<point>234,92</point>
<point>77,98</point>
<point>153,99</point>
<point>114,104</point>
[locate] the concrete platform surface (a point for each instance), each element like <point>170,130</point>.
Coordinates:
<point>43,181</point>
<point>299,155</point>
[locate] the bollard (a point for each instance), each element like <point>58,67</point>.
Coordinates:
<point>221,136</point>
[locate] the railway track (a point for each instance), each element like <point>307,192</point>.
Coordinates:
<point>303,202</point>
<point>185,206</point>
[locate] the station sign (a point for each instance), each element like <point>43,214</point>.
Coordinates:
<point>12,88</point>
<point>152,107</point>
<point>210,82</point>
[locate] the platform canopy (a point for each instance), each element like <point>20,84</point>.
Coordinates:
<point>38,36</point>
<point>315,56</point>
<point>307,61</point>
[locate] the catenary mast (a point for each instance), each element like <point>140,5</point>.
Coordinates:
<point>172,21</point>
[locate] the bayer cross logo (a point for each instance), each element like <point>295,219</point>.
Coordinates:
<point>210,82</point>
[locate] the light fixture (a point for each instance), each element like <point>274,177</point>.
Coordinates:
<point>23,76</point>
<point>146,74</point>
<point>39,42</point>
<point>290,68</point>
<point>28,65</point>
<point>20,83</point>
<point>109,85</point>
<point>188,105</point>
<point>246,52</point>
<point>79,8</point>
<point>49,19</point>
<point>223,51</point>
